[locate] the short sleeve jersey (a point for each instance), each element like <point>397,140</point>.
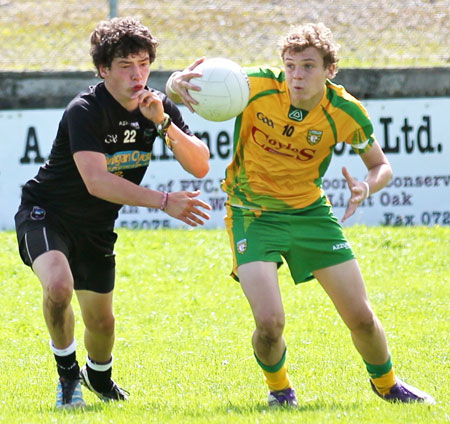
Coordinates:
<point>95,121</point>
<point>280,155</point>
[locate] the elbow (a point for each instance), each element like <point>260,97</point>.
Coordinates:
<point>201,171</point>
<point>93,191</point>
<point>201,168</point>
<point>93,187</point>
<point>389,173</point>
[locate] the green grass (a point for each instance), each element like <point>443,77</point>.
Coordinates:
<point>183,335</point>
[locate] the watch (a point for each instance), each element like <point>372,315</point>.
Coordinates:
<point>162,127</point>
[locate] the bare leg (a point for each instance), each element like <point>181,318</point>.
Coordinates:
<point>345,286</point>
<point>98,318</point>
<point>52,269</point>
<point>259,280</point>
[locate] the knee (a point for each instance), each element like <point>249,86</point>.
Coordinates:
<point>58,292</point>
<point>104,324</point>
<point>364,324</point>
<point>270,327</point>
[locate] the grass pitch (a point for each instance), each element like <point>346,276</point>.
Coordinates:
<point>184,327</point>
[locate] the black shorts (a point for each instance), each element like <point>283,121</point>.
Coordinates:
<point>90,252</point>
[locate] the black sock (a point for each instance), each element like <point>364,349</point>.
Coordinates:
<point>100,380</point>
<point>67,366</point>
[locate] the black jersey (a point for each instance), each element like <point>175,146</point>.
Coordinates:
<point>95,121</point>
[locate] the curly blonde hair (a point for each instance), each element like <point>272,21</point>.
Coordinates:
<point>315,35</point>
<point>120,37</point>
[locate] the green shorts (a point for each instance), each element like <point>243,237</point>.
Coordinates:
<point>308,239</point>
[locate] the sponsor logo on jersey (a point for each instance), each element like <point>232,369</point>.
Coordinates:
<point>296,115</point>
<point>123,123</point>
<point>341,246</point>
<point>127,160</point>
<point>265,119</point>
<point>241,246</point>
<point>313,137</point>
<point>111,138</point>
<point>134,125</point>
<point>275,146</point>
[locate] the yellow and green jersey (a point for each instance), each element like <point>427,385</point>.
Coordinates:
<point>281,153</point>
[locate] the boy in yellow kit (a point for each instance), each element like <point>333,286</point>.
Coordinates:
<point>276,208</point>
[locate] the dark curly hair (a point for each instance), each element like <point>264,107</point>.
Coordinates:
<point>120,37</point>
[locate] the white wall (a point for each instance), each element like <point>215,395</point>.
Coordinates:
<point>415,134</point>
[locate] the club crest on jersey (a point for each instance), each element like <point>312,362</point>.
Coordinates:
<point>241,246</point>
<point>37,214</point>
<point>313,137</point>
<point>296,115</point>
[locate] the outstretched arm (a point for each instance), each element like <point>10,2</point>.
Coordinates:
<point>183,205</point>
<point>378,175</point>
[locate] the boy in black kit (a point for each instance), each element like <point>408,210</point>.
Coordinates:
<point>65,223</point>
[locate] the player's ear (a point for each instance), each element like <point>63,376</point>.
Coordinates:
<point>103,71</point>
<point>332,70</point>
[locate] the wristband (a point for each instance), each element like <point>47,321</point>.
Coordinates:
<point>367,189</point>
<point>162,127</point>
<point>164,201</point>
<point>169,84</point>
<point>169,142</point>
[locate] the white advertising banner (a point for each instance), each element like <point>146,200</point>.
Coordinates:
<point>414,133</point>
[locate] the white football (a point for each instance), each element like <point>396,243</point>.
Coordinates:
<point>225,89</point>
